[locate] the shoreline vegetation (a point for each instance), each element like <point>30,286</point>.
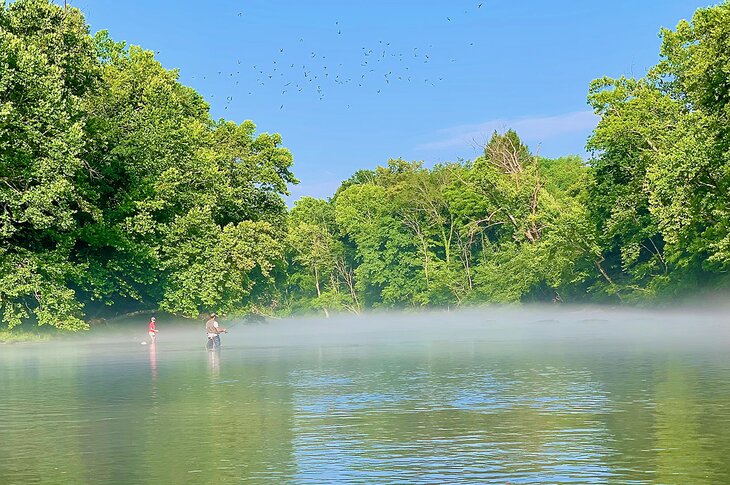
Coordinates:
<point>120,194</point>
<point>24,336</point>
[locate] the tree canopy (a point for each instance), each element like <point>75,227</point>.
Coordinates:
<point>119,192</point>
<point>118,189</point>
<point>645,218</point>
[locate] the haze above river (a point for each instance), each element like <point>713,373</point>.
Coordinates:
<point>585,395</point>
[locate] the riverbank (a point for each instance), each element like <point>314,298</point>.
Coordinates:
<point>20,336</point>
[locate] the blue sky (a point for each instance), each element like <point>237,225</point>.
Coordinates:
<point>421,80</point>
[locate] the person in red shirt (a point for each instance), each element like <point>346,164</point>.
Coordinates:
<point>153,330</point>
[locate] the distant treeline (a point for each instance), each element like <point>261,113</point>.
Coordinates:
<point>120,193</point>
<point>647,217</point>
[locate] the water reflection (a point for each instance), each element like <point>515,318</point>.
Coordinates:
<point>153,359</point>
<point>214,363</point>
<point>357,414</point>
<point>429,425</point>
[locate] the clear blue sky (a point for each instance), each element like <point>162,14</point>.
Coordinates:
<point>422,80</point>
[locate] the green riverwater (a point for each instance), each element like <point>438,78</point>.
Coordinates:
<point>537,403</point>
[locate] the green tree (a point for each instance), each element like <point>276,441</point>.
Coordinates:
<point>47,64</point>
<point>524,253</point>
<point>661,163</point>
<point>180,189</point>
<point>118,190</point>
<point>389,271</point>
<point>318,258</point>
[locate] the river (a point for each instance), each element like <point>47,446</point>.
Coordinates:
<point>508,396</point>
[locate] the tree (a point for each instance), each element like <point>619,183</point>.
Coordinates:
<point>47,65</point>
<point>181,188</point>
<point>661,162</point>
<point>389,271</point>
<point>314,247</point>
<point>118,190</point>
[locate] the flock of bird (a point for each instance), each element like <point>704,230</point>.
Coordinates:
<point>378,66</point>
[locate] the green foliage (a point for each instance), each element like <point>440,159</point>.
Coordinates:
<point>212,267</point>
<point>10,337</point>
<point>564,177</point>
<point>648,217</point>
<point>662,165</point>
<point>118,189</point>
<point>47,64</point>
<point>176,175</point>
<point>120,193</point>
<point>320,271</point>
<point>388,271</point>
<point>458,233</point>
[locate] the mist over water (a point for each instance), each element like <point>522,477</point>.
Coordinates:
<point>488,395</point>
<point>579,328</point>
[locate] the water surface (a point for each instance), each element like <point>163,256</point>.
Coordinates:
<point>507,398</point>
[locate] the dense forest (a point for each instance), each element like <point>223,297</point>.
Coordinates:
<point>121,193</point>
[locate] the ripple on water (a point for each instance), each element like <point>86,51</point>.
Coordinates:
<point>419,417</point>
